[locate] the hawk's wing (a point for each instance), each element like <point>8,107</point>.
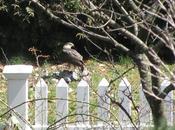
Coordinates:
<point>73,56</point>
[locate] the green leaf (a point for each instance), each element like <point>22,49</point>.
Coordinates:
<point>30,11</point>
<point>81,35</point>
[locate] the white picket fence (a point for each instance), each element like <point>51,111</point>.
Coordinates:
<point>17,78</point>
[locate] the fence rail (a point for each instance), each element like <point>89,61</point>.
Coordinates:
<point>17,78</point>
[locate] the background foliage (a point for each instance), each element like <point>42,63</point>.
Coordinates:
<point>22,27</point>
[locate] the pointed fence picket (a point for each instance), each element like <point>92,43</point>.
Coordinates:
<point>168,103</point>
<point>144,110</point>
<point>103,101</point>
<point>124,95</point>
<point>82,121</point>
<point>41,104</point>
<point>83,102</point>
<point>104,104</point>
<point>62,90</point>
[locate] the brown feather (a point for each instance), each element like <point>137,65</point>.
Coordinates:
<point>73,57</point>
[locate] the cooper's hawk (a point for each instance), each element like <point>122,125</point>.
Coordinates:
<point>72,56</point>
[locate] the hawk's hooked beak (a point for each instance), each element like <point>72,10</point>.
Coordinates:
<point>73,46</point>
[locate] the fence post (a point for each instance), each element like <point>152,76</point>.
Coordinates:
<point>17,90</point>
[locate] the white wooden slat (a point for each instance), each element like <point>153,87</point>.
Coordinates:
<point>90,127</point>
<point>83,102</point>
<point>41,104</point>
<point>124,94</point>
<point>168,103</point>
<point>62,101</point>
<point>103,101</point>
<point>144,110</point>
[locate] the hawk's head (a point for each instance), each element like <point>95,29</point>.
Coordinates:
<point>68,45</point>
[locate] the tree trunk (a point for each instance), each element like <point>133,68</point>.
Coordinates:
<point>159,119</point>
<point>156,103</point>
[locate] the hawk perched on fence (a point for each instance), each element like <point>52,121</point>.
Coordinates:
<point>72,56</point>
